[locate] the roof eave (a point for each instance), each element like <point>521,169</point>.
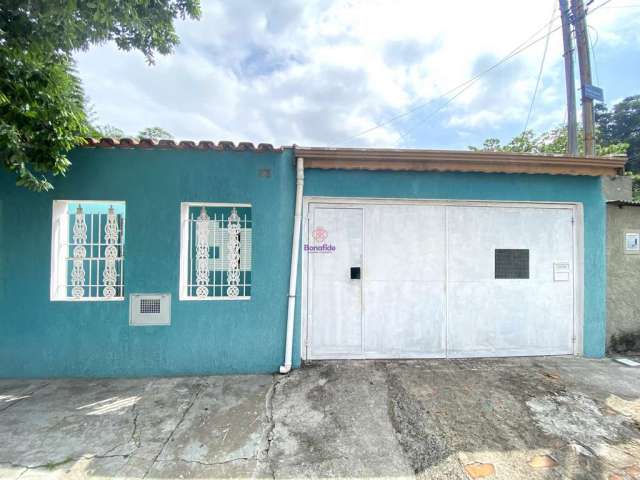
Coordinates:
<point>458,161</point>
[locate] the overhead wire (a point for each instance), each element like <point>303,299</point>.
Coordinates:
<point>450,91</point>
<point>467,84</point>
<point>544,56</point>
<point>505,59</point>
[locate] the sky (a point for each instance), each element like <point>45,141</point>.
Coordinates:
<point>361,73</point>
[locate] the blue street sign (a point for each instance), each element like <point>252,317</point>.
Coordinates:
<point>594,93</point>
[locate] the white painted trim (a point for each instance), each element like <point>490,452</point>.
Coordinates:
<point>209,204</point>
<point>184,251</point>
<point>58,274</point>
<point>208,299</point>
<point>60,226</point>
<point>89,299</point>
<point>352,202</point>
<point>578,279</point>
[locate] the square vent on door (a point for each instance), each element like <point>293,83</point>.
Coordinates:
<point>150,309</point>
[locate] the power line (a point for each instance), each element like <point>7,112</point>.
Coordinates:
<point>469,83</point>
<point>465,85</point>
<point>544,56</point>
<point>448,92</point>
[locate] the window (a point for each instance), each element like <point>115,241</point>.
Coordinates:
<point>511,263</point>
<point>215,251</point>
<point>87,250</point>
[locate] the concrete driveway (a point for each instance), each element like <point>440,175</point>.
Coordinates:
<point>517,418</point>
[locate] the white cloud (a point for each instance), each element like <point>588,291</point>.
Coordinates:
<point>320,72</point>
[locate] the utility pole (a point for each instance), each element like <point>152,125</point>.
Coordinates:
<point>580,22</point>
<point>572,146</point>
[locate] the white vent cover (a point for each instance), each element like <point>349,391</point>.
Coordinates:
<point>150,309</point>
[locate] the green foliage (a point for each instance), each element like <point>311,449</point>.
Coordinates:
<point>555,141</point>
<point>636,185</point>
<point>109,131</point>
<point>42,113</point>
<point>617,132</point>
<point>68,25</point>
<point>621,124</point>
<point>155,133</point>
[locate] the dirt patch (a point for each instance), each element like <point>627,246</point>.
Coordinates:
<point>628,343</point>
<point>422,443</point>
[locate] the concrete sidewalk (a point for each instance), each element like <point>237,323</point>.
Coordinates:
<point>512,418</point>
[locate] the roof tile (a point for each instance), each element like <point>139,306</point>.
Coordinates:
<point>224,145</point>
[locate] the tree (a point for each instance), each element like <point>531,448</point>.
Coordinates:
<point>155,133</point>
<point>621,124</point>
<point>554,141</point>
<point>617,131</point>
<point>108,131</point>
<point>42,113</point>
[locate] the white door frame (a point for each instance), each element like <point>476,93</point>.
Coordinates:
<point>578,249</point>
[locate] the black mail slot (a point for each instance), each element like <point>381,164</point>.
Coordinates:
<point>355,273</point>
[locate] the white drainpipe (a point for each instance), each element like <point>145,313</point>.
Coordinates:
<point>293,277</point>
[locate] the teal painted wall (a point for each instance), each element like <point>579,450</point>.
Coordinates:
<point>479,186</point>
<point>40,338</point>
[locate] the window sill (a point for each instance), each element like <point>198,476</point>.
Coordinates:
<point>88,299</point>
<point>205,299</point>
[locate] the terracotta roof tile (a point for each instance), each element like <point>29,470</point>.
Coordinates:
<point>224,145</point>
<point>208,145</point>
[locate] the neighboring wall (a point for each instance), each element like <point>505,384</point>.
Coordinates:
<point>505,187</point>
<point>623,294</point>
<point>40,338</point>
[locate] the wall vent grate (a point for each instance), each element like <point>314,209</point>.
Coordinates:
<point>149,305</point>
<point>150,309</point>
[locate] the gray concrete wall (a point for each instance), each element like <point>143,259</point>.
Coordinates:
<point>623,285</point>
<point>617,188</point>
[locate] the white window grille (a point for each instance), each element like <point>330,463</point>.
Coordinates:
<point>215,251</point>
<point>87,250</point>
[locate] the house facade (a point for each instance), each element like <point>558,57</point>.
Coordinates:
<point>188,259</point>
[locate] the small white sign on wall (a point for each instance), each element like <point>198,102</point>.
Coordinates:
<point>632,242</point>
<point>561,272</point>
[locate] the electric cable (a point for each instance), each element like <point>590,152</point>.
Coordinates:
<point>465,85</point>
<point>544,56</point>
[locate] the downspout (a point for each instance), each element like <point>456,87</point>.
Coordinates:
<point>293,276</point>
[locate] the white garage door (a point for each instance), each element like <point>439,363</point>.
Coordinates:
<point>427,280</point>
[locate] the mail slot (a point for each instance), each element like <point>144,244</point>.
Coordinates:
<point>355,273</point>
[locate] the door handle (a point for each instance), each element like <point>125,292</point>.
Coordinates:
<point>355,273</point>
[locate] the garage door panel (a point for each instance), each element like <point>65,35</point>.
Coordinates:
<point>335,323</point>
<point>443,281</point>
<point>404,243</point>
<point>474,233</point>
<point>333,332</point>
<point>407,323</point>
<point>509,319</point>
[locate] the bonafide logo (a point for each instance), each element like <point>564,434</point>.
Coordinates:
<point>320,236</point>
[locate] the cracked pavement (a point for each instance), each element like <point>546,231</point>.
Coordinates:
<point>529,418</point>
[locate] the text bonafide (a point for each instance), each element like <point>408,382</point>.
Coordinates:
<point>324,248</point>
